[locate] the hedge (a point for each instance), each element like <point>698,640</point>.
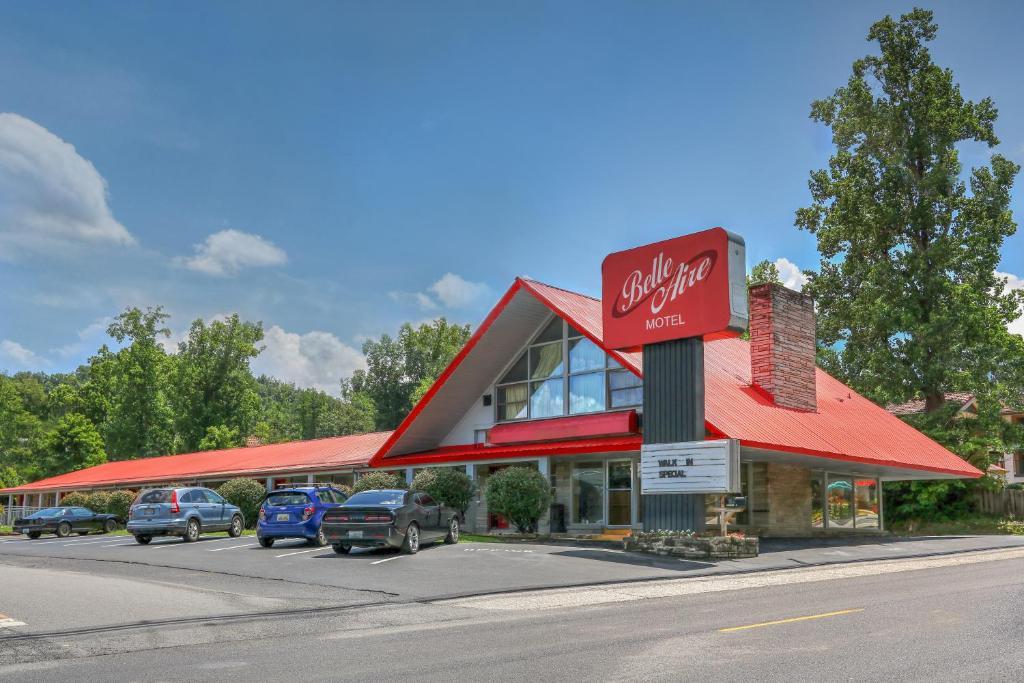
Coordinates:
<point>520,495</point>
<point>448,486</point>
<point>247,494</point>
<point>379,480</point>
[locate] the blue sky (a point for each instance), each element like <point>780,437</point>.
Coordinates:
<point>334,169</point>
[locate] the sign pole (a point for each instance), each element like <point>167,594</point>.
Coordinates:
<point>673,413</point>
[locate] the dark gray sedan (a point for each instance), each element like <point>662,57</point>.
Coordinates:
<point>390,518</point>
<point>64,520</point>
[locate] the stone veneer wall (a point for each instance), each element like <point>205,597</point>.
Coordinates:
<point>789,500</point>
<point>782,345</point>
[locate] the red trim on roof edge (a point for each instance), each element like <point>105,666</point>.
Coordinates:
<point>443,377</point>
<point>471,452</point>
<point>867,461</point>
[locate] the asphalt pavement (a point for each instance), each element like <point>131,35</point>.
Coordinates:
<point>942,617</point>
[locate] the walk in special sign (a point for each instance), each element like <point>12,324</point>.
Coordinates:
<point>690,467</point>
<point>688,286</point>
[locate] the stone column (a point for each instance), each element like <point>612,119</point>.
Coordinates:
<point>789,500</point>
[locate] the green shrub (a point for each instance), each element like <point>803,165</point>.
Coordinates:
<point>445,485</point>
<point>347,490</point>
<point>119,503</point>
<point>247,494</point>
<point>75,499</point>
<point>520,495</point>
<point>379,480</point>
<point>98,501</point>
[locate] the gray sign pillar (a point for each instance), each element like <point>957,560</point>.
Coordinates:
<point>674,412</point>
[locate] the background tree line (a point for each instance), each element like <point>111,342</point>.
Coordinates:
<point>141,401</point>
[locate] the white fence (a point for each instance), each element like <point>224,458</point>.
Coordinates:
<point>13,512</point>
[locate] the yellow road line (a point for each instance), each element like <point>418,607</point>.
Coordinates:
<point>791,620</point>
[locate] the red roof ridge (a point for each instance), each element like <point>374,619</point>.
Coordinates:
<point>561,289</point>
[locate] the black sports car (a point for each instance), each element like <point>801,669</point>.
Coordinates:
<point>390,518</point>
<point>62,521</point>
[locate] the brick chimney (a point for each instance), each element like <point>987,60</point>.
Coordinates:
<point>782,345</point>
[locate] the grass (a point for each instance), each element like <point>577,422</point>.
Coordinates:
<point>975,524</point>
<point>478,538</point>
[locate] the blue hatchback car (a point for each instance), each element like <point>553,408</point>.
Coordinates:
<point>296,512</point>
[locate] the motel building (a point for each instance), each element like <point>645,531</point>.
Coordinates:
<point>536,386</point>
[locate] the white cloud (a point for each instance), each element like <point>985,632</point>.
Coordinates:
<point>89,337</point>
<point>456,292</point>
<point>50,195</point>
<point>1014,282</point>
<point>315,359</point>
<point>229,251</point>
<point>22,358</point>
<point>790,274</point>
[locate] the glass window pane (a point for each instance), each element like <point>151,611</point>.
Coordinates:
<point>546,398</point>
<point>546,361</point>
<point>585,355</point>
<point>588,493</point>
<point>867,504</point>
<point>840,502</point>
<point>512,401</point>
<point>517,373</point>
<point>573,332</point>
<point>553,332</point>
<point>626,389</point>
<point>817,507</point>
<point>586,393</point>
<point>612,363</point>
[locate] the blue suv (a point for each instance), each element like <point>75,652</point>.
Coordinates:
<point>184,512</point>
<point>296,512</point>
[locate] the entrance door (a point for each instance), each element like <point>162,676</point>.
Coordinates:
<point>620,492</point>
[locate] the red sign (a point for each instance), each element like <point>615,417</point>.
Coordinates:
<point>684,287</point>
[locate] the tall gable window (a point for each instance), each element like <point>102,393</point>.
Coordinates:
<point>563,373</point>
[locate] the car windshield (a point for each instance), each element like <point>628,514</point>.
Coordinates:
<point>377,498</point>
<point>287,498</point>
<point>155,496</point>
<point>46,512</point>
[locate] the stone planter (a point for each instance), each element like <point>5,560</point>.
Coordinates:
<point>690,547</point>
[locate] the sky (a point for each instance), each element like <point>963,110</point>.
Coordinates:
<point>336,169</point>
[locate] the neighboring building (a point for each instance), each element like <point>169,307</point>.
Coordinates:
<point>535,386</point>
<point>1010,467</point>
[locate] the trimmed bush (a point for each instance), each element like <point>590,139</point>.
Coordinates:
<point>119,503</point>
<point>448,486</point>
<point>247,494</point>
<point>75,499</point>
<point>98,501</point>
<point>520,495</point>
<point>379,480</point>
<point>347,490</point>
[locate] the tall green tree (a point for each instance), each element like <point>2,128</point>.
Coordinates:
<point>907,295</point>
<point>762,273</point>
<point>213,384</point>
<point>73,444</point>
<point>21,435</point>
<point>140,419</point>
<point>399,370</point>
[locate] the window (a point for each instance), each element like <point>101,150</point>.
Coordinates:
<point>426,500</point>
<point>588,493</point>
<point>1018,464</point>
<point>192,497</point>
<point>213,497</point>
<point>287,498</point>
<point>564,373</point>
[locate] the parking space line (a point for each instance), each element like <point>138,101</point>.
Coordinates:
<point>231,547</point>
<point>88,542</point>
<point>299,552</point>
<point>386,559</point>
<point>7,622</point>
<point>116,544</point>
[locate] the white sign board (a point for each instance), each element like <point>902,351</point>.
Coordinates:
<point>690,467</point>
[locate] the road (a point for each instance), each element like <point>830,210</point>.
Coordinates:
<point>174,614</point>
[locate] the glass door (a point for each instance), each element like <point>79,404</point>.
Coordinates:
<point>588,493</point>
<point>620,492</point>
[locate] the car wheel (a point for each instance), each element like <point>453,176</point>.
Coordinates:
<point>191,531</point>
<point>236,527</point>
<point>411,544</point>
<point>143,540</point>
<point>453,532</point>
<point>342,548</point>
<point>265,542</point>
<point>320,539</point>
<point>109,526</point>
<point>63,530</point>
<point>33,535</point>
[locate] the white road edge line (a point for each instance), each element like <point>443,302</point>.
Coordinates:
<point>4,623</point>
<point>299,552</point>
<point>387,559</point>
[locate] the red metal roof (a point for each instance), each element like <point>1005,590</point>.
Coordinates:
<point>470,452</point>
<point>320,455</point>
<point>846,426</point>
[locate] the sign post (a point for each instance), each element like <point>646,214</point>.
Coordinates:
<point>664,297</point>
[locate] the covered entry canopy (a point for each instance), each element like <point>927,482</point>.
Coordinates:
<point>845,428</point>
